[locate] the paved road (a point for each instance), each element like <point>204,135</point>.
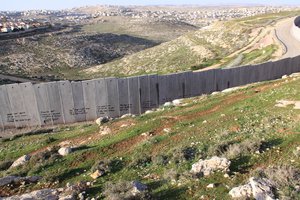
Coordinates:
<point>283,31</point>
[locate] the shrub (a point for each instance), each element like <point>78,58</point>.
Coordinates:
<point>232,150</point>
<point>179,155</point>
<point>160,160</point>
<point>141,160</point>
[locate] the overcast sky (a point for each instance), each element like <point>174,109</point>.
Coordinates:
<point>60,4</point>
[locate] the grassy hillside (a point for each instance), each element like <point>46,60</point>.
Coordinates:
<point>209,46</point>
<point>158,149</point>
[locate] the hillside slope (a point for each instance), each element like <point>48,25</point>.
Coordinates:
<point>248,126</point>
<point>251,37</point>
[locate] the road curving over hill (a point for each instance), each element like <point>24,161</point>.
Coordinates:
<point>285,35</point>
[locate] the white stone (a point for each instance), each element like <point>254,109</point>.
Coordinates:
<point>126,115</point>
<point>211,165</point>
<point>177,102</point>
<point>211,185</point>
<point>21,161</point>
<point>65,151</point>
<point>284,77</point>
<point>226,175</point>
<point>214,93</point>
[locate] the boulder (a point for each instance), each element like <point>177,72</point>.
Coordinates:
<point>206,167</point>
<point>21,161</point>
<point>259,188</point>
<point>17,180</point>
<point>244,191</point>
<point>262,189</point>
<point>8,180</point>
<point>65,151</point>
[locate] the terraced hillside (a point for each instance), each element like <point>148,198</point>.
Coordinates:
<point>257,128</point>
<point>243,41</point>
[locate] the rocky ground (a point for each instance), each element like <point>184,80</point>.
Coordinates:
<point>236,144</point>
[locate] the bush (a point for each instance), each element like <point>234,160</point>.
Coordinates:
<point>232,150</point>
<point>220,149</point>
<point>160,160</point>
<point>124,190</point>
<point>179,155</point>
<point>141,160</point>
<point>103,166</point>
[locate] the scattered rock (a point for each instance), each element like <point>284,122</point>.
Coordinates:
<point>259,188</point>
<point>97,174</point>
<point>212,185</point>
<point>67,193</point>
<point>65,151</point>
<point>167,130</point>
<point>149,112</point>
<point>168,104</point>
<point>231,89</point>
<point>226,175</point>
<point>127,115</point>
<point>39,194</point>
<point>206,167</point>
<point>177,102</point>
<point>241,191</point>
<point>284,77</point>
<point>215,93</point>
<point>21,161</point>
<point>104,130</point>
<point>102,120</point>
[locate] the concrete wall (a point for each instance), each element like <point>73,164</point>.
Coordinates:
<point>63,102</point>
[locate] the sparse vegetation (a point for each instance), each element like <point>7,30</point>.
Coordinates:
<point>243,126</point>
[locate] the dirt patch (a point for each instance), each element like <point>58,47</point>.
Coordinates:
<point>286,103</point>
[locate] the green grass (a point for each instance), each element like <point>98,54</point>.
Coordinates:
<point>243,114</point>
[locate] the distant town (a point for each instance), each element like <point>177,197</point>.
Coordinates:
<point>16,21</point>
